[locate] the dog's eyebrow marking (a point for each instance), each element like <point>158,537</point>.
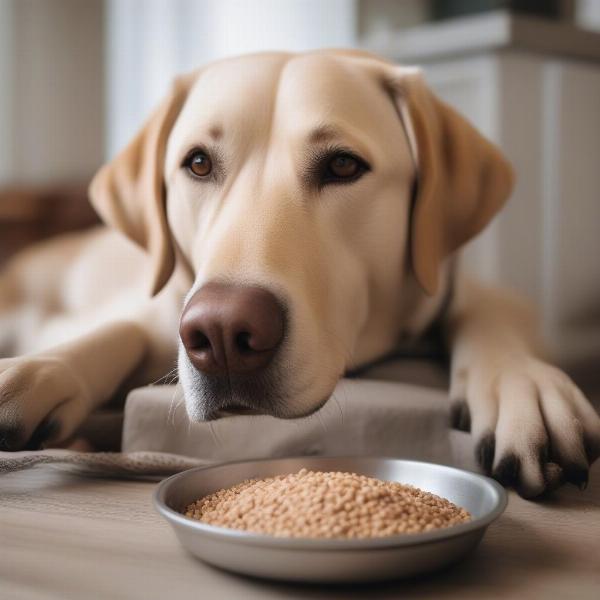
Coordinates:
<point>324,133</point>
<point>215,132</point>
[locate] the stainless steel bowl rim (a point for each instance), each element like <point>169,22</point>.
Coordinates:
<point>298,543</point>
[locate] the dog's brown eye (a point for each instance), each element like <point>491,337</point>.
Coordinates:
<point>344,166</point>
<point>341,166</point>
<point>199,164</point>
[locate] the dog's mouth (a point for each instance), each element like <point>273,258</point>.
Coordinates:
<point>238,410</point>
<point>243,410</point>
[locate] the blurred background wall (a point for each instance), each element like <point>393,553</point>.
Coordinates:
<point>78,77</point>
<point>52,109</point>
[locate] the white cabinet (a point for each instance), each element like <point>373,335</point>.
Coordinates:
<point>534,88</point>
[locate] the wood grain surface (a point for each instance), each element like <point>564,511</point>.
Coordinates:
<point>64,536</point>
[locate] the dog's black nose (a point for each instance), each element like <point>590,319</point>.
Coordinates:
<point>231,329</point>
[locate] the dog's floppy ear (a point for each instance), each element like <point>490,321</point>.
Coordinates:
<point>129,192</point>
<point>462,179</point>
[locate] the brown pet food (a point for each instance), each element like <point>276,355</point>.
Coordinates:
<point>326,505</point>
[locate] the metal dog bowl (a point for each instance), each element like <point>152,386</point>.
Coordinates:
<point>332,560</point>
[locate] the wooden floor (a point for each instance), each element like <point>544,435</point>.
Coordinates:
<point>63,537</point>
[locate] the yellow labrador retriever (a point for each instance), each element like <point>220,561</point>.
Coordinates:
<point>287,218</point>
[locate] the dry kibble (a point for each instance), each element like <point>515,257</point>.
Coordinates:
<point>326,504</point>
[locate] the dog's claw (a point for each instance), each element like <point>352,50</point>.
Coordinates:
<point>485,451</point>
<point>460,416</point>
<point>507,471</point>
<point>577,475</point>
<point>10,438</point>
<point>44,431</point>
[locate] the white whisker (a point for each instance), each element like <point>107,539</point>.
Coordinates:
<point>318,414</point>
<point>174,405</point>
<point>215,437</point>
<point>337,403</point>
<point>167,378</point>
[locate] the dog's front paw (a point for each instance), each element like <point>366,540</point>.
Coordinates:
<point>533,426</point>
<point>41,401</point>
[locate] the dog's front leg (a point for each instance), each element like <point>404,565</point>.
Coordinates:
<point>44,397</point>
<point>534,429</point>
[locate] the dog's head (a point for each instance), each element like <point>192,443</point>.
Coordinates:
<point>314,197</point>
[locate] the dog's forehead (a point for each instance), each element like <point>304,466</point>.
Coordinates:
<point>330,88</point>
<point>298,91</point>
<point>240,85</point>
<point>317,77</point>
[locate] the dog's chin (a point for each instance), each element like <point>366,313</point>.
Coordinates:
<point>211,402</point>
<point>203,413</point>
<point>198,412</point>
